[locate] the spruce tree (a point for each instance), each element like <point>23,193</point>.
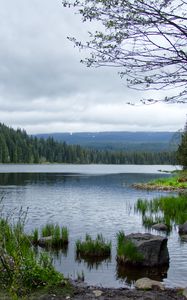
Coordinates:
<point>182,149</point>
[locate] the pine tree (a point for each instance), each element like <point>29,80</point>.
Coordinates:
<point>182,149</point>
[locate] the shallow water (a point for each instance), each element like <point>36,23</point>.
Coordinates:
<point>89,199</point>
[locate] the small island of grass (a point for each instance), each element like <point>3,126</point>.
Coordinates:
<point>177,182</point>
<point>93,248</point>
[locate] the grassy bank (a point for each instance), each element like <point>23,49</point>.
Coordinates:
<point>177,182</point>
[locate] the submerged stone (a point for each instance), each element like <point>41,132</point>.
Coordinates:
<point>45,241</point>
<point>160,227</point>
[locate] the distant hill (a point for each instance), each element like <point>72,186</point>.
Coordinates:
<point>126,141</point>
<point>16,146</point>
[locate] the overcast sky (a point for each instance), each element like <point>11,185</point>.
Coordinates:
<point>44,88</point>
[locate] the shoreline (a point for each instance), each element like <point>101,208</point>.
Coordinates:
<point>81,291</point>
<point>153,187</point>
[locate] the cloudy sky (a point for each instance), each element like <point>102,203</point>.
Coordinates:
<point>44,88</point>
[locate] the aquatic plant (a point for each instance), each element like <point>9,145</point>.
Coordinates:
<point>93,248</point>
<point>58,236</point>
<point>48,230</point>
<point>127,250</point>
<point>165,209</point>
<point>149,221</point>
<point>64,235</point>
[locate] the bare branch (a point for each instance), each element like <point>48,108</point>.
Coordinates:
<point>146,39</point>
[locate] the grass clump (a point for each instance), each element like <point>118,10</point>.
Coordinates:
<point>60,236</point>
<point>127,250</point>
<point>51,236</point>
<point>64,235</point>
<point>149,221</point>
<point>93,248</point>
<point>48,230</point>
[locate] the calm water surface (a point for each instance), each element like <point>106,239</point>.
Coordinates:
<point>89,199</point>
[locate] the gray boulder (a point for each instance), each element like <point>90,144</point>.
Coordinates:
<point>152,248</point>
<point>183,228</point>
<point>160,227</point>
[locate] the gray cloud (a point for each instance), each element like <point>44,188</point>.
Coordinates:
<point>44,88</point>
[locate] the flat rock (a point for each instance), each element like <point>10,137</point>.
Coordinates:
<point>148,284</point>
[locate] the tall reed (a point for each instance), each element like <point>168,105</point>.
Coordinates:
<point>171,209</point>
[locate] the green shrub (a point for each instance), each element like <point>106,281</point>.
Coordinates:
<point>21,269</point>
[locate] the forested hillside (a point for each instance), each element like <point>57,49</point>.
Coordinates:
<point>16,146</point>
<point>124,140</point>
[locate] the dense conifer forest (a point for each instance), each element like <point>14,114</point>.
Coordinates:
<point>16,146</point>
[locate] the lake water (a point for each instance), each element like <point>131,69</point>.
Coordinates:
<point>89,199</point>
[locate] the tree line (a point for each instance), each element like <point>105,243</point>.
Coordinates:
<point>16,146</point>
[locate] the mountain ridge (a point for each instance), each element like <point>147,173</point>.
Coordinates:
<point>153,141</point>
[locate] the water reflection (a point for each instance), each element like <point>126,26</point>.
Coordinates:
<point>20,179</point>
<point>93,263</point>
<point>132,273</point>
<point>54,252</point>
<point>23,179</point>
